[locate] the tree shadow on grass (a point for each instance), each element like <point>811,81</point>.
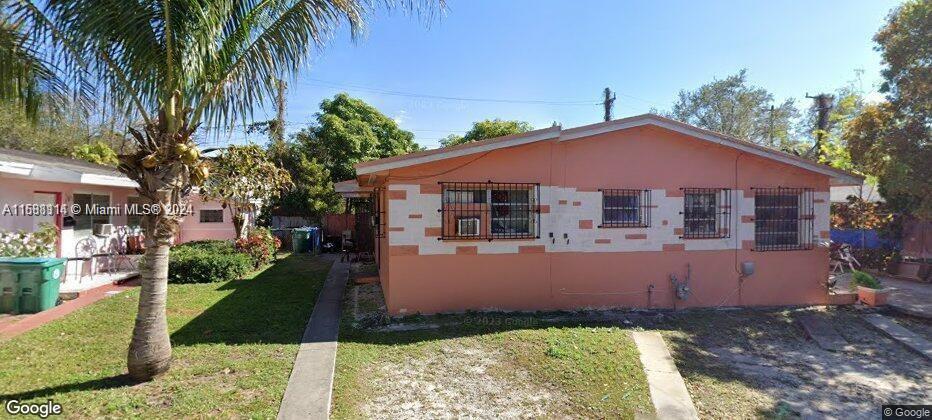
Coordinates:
<point>111,382</point>
<point>272,307</point>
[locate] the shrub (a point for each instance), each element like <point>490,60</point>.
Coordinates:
<point>40,243</point>
<point>260,245</point>
<point>207,262</point>
<point>210,245</point>
<point>860,278</point>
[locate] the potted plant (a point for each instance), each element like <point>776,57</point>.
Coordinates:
<point>870,291</point>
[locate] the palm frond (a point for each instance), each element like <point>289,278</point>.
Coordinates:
<point>216,59</point>
<point>29,78</point>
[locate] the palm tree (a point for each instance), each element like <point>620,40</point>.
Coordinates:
<point>175,64</point>
<point>28,79</point>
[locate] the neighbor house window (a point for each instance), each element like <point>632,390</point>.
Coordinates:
<point>706,213</point>
<point>625,208</point>
<point>489,210</point>
<point>782,219</point>
<point>85,220</point>
<point>211,216</point>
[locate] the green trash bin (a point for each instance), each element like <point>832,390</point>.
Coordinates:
<point>300,240</point>
<point>9,289</point>
<point>39,281</point>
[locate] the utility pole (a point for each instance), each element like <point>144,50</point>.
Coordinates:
<point>770,132</point>
<point>277,126</point>
<point>823,105</point>
<point>279,129</point>
<point>608,103</point>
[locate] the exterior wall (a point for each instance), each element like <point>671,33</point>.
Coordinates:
<point>193,230</point>
<point>16,191</point>
<point>598,267</point>
<point>20,191</point>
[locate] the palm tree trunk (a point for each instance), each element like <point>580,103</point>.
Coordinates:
<point>150,350</point>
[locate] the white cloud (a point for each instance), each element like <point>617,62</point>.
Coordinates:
<point>400,117</point>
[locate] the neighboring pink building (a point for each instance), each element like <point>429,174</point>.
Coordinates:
<point>601,216</point>
<point>32,178</point>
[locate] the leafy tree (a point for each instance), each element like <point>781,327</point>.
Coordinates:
<point>892,139</point>
<point>53,132</point>
<point>487,129</point>
<point>731,106</point>
<point>242,179</point>
<point>835,151</point>
<point>174,65</point>
<point>348,130</point>
<point>313,194</point>
<point>97,152</point>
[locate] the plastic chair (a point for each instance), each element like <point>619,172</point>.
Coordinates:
<point>842,257</point>
<point>84,251</point>
<point>117,251</point>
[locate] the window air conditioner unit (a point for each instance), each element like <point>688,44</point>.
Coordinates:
<point>103,229</point>
<point>467,227</point>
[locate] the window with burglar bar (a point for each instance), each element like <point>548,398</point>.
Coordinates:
<point>783,219</point>
<point>706,213</point>
<point>625,208</point>
<point>490,210</point>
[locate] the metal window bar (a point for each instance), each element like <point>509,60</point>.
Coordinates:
<point>504,210</point>
<point>378,215</point>
<point>783,219</point>
<point>706,213</point>
<point>625,208</point>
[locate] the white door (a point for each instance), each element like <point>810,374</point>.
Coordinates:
<point>46,201</point>
<point>46,213</point>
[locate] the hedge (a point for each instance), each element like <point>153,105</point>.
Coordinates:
<point>207,262</point>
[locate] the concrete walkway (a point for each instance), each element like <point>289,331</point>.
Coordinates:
<point>667,389</point>
<point>896,331</point>
<point>822,332</point>
<point>19,325</point>
<point>311,382</point>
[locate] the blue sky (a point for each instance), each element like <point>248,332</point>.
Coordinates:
<point>559,51</point>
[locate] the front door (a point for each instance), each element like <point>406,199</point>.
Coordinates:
<point>47,201</point>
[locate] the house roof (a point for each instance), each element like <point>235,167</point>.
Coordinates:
<point>351,188</point>
<point>40,167</point>
<point>838,177</point>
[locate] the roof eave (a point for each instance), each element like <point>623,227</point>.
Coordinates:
<point>371,167</point>
<point>837,177</point>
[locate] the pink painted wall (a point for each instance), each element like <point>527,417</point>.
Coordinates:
<point>193,230</point>
<point>600,267</point>
<point>20,191</point>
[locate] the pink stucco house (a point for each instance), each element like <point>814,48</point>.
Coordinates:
<point>601,216</point>
<point>31,178</point>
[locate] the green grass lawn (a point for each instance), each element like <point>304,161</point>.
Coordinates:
<point>234,347</point>
<point>583,371</point>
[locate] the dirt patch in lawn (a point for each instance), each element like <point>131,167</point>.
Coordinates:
<point>765,365</point>
<point>460,379</point>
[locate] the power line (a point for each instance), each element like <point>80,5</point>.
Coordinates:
<point>370,89</point>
